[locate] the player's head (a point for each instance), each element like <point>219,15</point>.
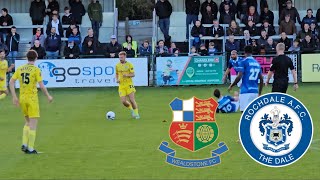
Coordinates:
<point>122,56</point>
<point>217,93</point>
<point>281,48</point>
<point>248,51</point>
<point>32,55</point>
<point>2,54</point>
<point>234,55</point>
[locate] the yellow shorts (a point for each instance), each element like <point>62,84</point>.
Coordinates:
<point>3,86</point>
<point>30,107</point>
<point>126,90</point>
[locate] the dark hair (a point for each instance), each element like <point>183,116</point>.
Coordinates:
<point>5,10</point>
<point>146,41</point>
<point>217,93</point>
<point>160,41</point>
<point>13,27</point>
<point>127,38</point>
<point>2,50</point>
<point>66,8</point>
<point>32,55</point>
<point>248,50</point>
<point>310,10</point>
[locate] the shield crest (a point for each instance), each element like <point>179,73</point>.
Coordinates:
<point>193,126</point>
<point>276,135</point>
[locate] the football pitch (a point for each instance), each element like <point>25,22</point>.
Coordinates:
<point>79,143</point>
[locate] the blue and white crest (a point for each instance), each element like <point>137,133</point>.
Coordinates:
<point>276,130</point>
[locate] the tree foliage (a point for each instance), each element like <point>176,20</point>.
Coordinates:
<point>135,9</point>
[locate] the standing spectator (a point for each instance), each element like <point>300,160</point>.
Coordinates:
<point>5,20</point>
<point>294,14</point>
<point>212,50</point>
<point>213,5</point>
<point>12,42</point>
<point>234,29</point>
<point>88,49</point>
<point>145,49</point>
<point>192,11</point>
<point>251,15</point>
<point>226,16</point>
<point>285,40</point>
<point>282,5</point>
<point>172,46</point>
<point>197,32</point>
<point>131,53</point>
<point>203,51</point>
<point>295,47</point>
<point>91,36</point>
<point>308,45</point>
<point>246,41</point>
<point>77,10</point>
<point>251,27</point>
<point>262,41</point>
<point>164,11</point>
<point>69,30</point>
<point>287,26</point>
<point>113,48</point>
<point>75,37</point>
<point>95,15</point>
<point>55,22</point>
<point>134,44</point>
<point>37,13</point>
<point>71,51</point>
<point>304,32</point>
<point>67,18</point>
<point>270,46</point>
<point>54,12</point>
<point>161,49</point>
<point>39,49</point>
<point>208,16</point>
<point>53,44</point>
<point>243,7</point>
<point>315,32</point>
<point>267,15</point>
<point>231,4</point>
<point>52,6</point>
<point>309,19</point>
<point>268,28</point>
<point>38,36</point>
<point>232,44</point>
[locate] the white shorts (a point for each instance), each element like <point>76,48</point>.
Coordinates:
<point>237,104</point>
<point>239,83</point>
<point>246,99</point>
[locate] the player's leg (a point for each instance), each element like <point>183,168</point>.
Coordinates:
<point>25,134</point>
<point>236,96</point>
<point>3,90</point>
<point>34,114</point>
<point>134,104</point>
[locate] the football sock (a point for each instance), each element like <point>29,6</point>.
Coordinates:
<point>3,95</point>
<point>32,139</point>
<point>136,111</point>
<point>130,107</point>
<point>25,136</point>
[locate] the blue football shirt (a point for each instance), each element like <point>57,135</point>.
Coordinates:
<point>226,105</point>
<point>234,64</point>
<point>251,70</point>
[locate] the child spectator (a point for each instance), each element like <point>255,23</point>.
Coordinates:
<point>134,44</point>
<point>212,50</point>
<point>193,51</point>
<point>161,49</point>
<point>131,53</point>
<point>172,46</point>
<point>145,49</point>
<point>295,47</point>
<point>67,18</point>
<point>203,51</point>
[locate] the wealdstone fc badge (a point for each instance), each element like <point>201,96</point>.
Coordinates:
<point>276,130</point>
<point>193,127</point>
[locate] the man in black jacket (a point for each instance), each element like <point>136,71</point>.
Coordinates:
<point>12,43</point>
<point>268,15</point>
<point>212,4</point>
<point>226,16</point>
<point>39,49</point>
<point>294,14</point>
<point>192,11</point>
<point>77,10</point>
<point>5,20</point>
<point>37,13</point>
<point>164,10</point>
<point>113,48</point>
<point>71,51</point>
<point>232,6</point>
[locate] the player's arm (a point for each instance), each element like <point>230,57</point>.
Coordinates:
<point>225,75</point>
<point>10,68</point>
<point>294,74</point>
<point>238,78</point>
<point>45,91</point>
<point>117,75</point>
<point>15,99</point>
<point>261,83</point>
<point>131,72</point>
<point>269,76</point>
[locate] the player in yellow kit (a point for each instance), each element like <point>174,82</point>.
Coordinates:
<point>124,75</point>
<point>3,74</point>
<point>29,76</point>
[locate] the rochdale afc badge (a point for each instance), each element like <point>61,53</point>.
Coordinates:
<point>276,130</point>
<point>193,127</point>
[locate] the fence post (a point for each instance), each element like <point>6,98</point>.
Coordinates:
<point>126,26</point>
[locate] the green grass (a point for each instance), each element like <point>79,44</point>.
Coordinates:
<point>79,143</point>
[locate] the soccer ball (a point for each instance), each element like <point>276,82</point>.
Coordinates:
<point>110,115</point>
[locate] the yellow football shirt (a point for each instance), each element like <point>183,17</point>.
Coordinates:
<point>122,69</point>
<point>3,69</point>
<point>28,76</point>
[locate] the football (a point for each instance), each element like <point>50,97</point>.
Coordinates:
<point>111,115</point>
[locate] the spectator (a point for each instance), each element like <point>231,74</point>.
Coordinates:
<point>203,51</point>
<point>5,20</point>
<point>53,44</point>
<point>315,32</point>
<point>134,44</point>
<point>164,10</point>
<point>251,27</point>
<point>304,32</point>
<point>55,22</point>
<point>54,12</point>
<point>251,15</point>
<point>232,44</point>
<point>294,15</point>
<point>267,15</point>
<point>176,52</point>
<point>71,51</point>
<point>309,19</point>
<point>262,41</point>
<point>161,49</point>
<point>217,30</point>
<point>77,10</point>
<point>37,13</point>
<point>287,26</point>
<point>145,49</point>
<point>246,41</point>
<point>39,49</point>
<point>88,49</point>
<point>38,36</point>
<point>270,46</point>
<point>232,7</point>
<point>95,15</point>
<point>67,18</point>
<point>52,6</point>
<point>12,42</point>
<point>213,6</point>
<point>295,47</point>
<point>197,32</point>
<point>308,45</point>
<point>318,16</point>
<point>268,28</point>
<point>234,29</point>
<point>285,40</point>
<point>212,51</point>
<point>131,53</point>
<point>172,46</point>
<point>113,48</point>
<point>243,7</point>
<point>193,51</point>
<point>282,5</point>
<point>69,30</point>
<point>91,37</point>
<point>192,11</point>
<point>208,16</point>
<point>75,37</point>
<point>226,15</point>
<point>4,47</point>
<point>255,47</point>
